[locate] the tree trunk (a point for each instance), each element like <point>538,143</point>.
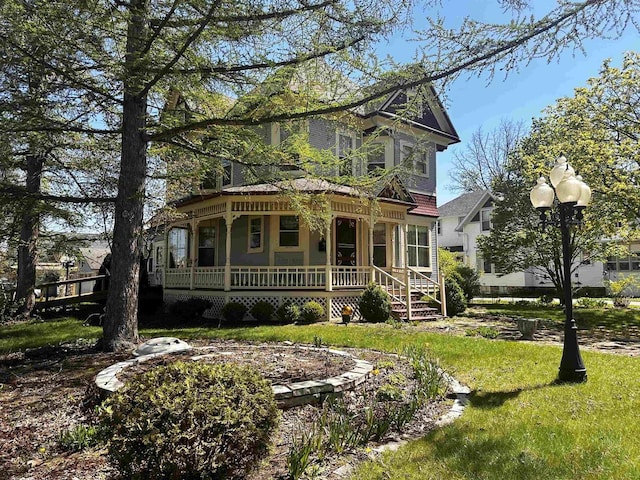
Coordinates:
<point>27,249</point>
<point>121,323</point>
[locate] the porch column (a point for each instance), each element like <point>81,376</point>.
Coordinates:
<point>165,259</point>
<point>405,260</point>
<point>227,265</point>
<point>394,253</point>
<point>373,272</point>
<point>328,241</point>
<point>193,226</point>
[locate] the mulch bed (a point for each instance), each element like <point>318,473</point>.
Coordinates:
<point>47,391</point>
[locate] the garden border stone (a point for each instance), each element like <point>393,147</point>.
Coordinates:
<point>286,396</point>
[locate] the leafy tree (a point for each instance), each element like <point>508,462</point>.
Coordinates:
<point>597,135</point>
<point>45,176</point>
<point>127,58</point>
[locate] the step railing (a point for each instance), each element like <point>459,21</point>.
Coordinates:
<point>396,288</point>
<point>426,286</point>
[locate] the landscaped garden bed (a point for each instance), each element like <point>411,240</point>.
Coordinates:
<point>48,400</point>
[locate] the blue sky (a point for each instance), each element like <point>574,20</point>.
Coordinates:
<point>474,102</point>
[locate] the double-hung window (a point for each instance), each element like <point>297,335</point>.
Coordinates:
<point>206,246</point>
<point>178,247</point>
<point>418,245</point>
<point>256,225</point>
<point>289,231</point>
<point>485,220</point>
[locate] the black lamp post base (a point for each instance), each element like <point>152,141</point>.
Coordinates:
<point>572,375</point>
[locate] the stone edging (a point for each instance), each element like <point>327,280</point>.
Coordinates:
<point>294,394</point>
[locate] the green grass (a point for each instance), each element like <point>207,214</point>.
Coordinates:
<point>519,424</point>
<point>616,320</point>
<point>38,333</point>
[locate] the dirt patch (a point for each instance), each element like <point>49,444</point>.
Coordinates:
<point>280,364</point>
<point>45,392</point>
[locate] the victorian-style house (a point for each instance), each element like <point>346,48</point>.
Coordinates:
<point>242,241</point>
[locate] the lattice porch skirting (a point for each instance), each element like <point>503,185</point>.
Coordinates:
<point>333,302</point>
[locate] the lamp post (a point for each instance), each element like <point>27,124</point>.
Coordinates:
<point>573,196</point>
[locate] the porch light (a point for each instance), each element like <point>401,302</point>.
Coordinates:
<point>573,196</point>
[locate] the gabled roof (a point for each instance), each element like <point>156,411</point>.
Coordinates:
<point>465,206</point>
<point>434,117</point>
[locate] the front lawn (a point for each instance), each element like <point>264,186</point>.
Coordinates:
<point>519,424</point>
<point>615,321</point>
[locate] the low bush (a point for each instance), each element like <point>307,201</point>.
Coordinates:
<point>262,312</point>
<point>374,304</point>
<point>586,302</point>
<point>311,312</point>
<point>469,281</point>
<point>288,313</point>
<point>233,312</point>
<point>190,309</point>
<point>190,420</point>
<point>546,299</point>
<point>456,301</point>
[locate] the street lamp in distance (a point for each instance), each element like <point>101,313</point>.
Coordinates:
<point>573,196</point>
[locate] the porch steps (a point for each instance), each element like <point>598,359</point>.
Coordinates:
<point>420,311</point>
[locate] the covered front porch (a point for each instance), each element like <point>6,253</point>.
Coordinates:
<point>255,241</point>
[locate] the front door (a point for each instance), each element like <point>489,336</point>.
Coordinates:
<point>346,242</point>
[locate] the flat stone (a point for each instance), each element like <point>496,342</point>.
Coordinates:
<point>310,387</point>
<point>281,391</point>
<point>161,345</point>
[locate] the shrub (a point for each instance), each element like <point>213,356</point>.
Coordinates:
<point>262,312</point>
<point>456,302</point>
<point>233,312</point>
<point>374,304</point>
<point>311,312</point>
<point>288,313</point>
<point>190,420</point>
<point>190,309</point>
<point>8,309</point>
<point>546,299</point>
<point>469,281</point>
<point>586,302</point>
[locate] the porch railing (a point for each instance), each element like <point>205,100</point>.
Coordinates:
<point>278,277</point>
<point>249,277</point>
<point>427,286</point>
<point>350,276</point>
<point>395,287</point>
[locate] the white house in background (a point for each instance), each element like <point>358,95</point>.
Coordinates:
<point>465,218</point>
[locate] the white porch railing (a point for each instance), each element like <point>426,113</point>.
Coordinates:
<point>177,278</point>
<point>208,277</point>
<point>395,287</point>
<point>350,276</point>
<point>309,277</point>
<point>427,286</point>
<point>278,277</point>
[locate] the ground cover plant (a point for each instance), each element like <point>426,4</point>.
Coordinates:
<point>519,423</point>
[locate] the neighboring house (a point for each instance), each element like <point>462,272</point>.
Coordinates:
<point>465,218</point>
<point>245,242</point>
